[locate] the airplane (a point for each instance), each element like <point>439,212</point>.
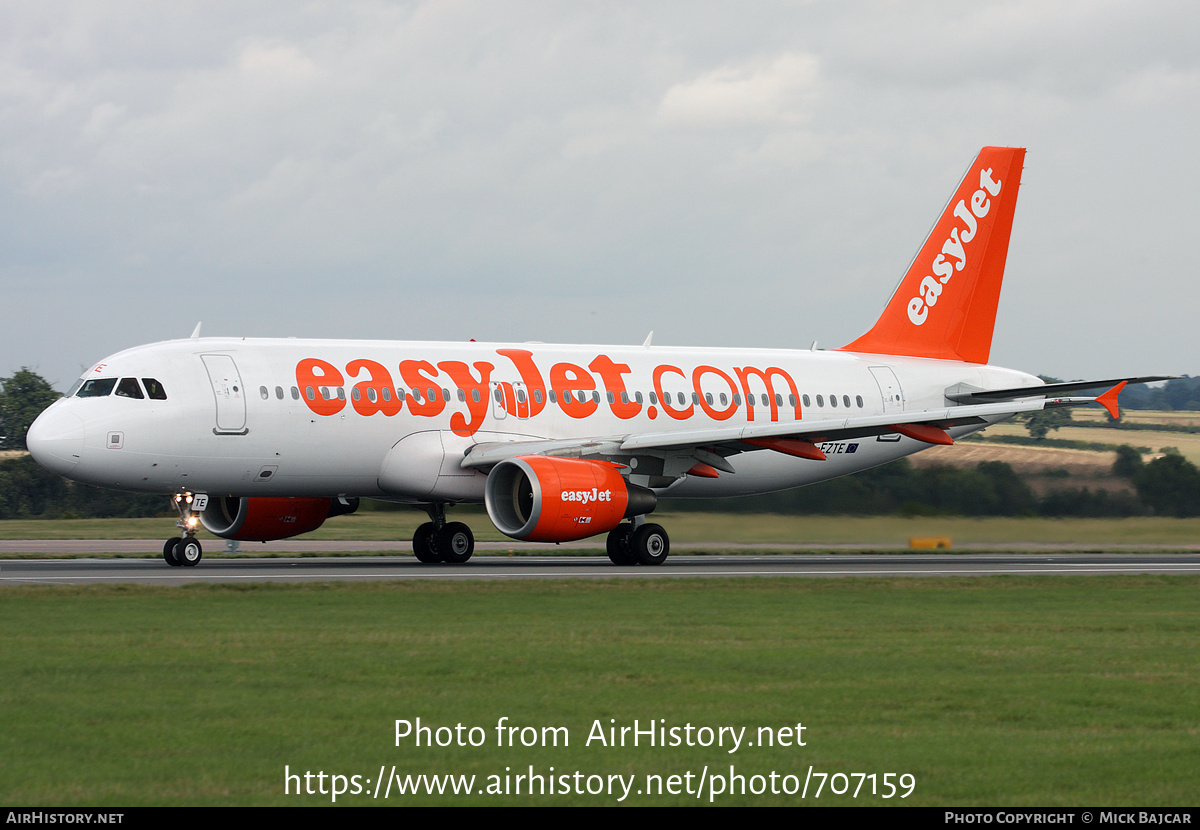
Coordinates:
<point>264,439</point>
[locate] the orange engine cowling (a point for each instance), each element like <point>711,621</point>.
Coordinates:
<point>264,518</point>
<point>539,498</point>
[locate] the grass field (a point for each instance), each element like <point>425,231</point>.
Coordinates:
<point>990,691</point>
<point>687,527</point>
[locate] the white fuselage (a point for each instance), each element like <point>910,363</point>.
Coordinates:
<point>309,417</point>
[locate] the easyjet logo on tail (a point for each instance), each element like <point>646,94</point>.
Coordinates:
<point>956,247</point>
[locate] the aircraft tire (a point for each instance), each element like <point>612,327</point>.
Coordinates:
<point>189,552</point>
<point>423,545</point>
<point>650,544</point>
<point>170,552</point>
<point>618,545</point>
<point>455,543</point>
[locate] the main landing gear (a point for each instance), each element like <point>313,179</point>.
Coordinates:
<point>441,541</point>
<point>186,550</point>
<point>638,543</point>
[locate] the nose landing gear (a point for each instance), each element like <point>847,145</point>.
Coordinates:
<point>185,550</point>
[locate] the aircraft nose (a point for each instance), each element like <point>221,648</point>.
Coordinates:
<point>55,440</point>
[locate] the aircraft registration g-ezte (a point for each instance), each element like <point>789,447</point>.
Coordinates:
<point>262,439</point>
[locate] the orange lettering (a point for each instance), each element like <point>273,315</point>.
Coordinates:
<point>380,380</point>
<point>709,409</point>
<point>744,374</point>
<point>611,373</point>
<point>420,375</point>
<point>476,393</point>
<point>532,378</point>
<point>310,383</point>
<point>568,378</point>
<point>664,397</point>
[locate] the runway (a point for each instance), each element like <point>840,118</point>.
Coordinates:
<point>501,567</point>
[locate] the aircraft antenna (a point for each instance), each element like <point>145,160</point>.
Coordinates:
<point>196,332</point>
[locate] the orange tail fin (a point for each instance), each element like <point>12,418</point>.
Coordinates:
<point>945,307</point>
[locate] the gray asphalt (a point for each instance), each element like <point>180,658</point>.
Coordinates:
<point>85,571</point>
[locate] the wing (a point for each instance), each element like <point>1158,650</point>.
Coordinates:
<point>696,450</point>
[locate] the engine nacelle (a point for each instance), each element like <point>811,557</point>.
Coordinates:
<point>539,498</point>
<point>266,518</point>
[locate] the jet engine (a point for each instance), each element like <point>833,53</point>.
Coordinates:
<point>263,518</point>
<point>540,498</point>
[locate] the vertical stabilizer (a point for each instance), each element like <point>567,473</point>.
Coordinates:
<point>945,306</point>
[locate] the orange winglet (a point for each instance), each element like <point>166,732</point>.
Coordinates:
<point>788,446</point>
<point>704,471</point>
<point>1109,400</point>
<point>923,432</point>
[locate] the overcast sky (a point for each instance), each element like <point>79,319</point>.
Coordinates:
<point>726,174</point>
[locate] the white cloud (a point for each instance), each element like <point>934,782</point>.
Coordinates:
<point>758,92</point>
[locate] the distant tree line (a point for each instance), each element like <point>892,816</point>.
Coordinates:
<point>1179,394</point>
<point>1167,486</point>
<point>27,491</point>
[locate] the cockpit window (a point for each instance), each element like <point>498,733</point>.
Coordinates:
<point>154,389</point>
<point>128,388</point>
<point>96,388</point>
<point>74,388</point>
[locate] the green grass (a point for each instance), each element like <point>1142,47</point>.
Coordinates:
<point>1014,691</point>
<point>695,527</point>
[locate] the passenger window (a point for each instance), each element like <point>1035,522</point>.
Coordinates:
<point>341,394</point>
<point>295,393</point>
<point>553,396</point>
<point>846,401</point>
<point>128,388</point>
<point>637,397</point>
<point>707,398</point>
<point>595,397</point>
<point>154,389</point>
<point>262,391</point>
<point>724,400</point>
<point>791,400</point>
<point>820,400</point>
<point>778,399</point>
<point>858,399</point>
<point>498,395</point>
<point>400,394</point>
<point>682,400</point>
<point>475,396</point>
<point>624,397</point>
<point>537,396</point>
<point>278,393</point>
<point>737,398</point>
<point>765,402</point>
<point>833,400</point>
<point>462,396</point>
<point>807,401</point>
<point>385,393</point>
<point>653,399</point>
<point>308,393</point>
<point>520,396</point>
<point>612,399</point>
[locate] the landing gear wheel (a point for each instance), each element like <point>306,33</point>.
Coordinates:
<point>169,552</point>
<point>189,552</point>
<point>423,545</point>
<point>618,545</point>
<point>455,543</point>
<point>649,543</point>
